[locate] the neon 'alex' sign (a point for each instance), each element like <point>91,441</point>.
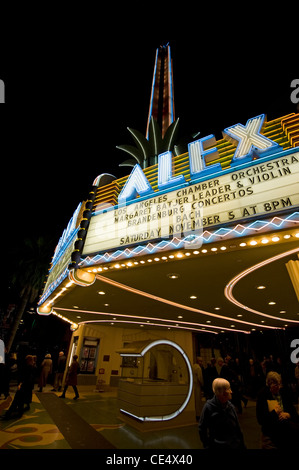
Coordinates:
<point>250,144</point>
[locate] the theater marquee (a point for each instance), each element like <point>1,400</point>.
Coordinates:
<point>246,181</point>
<point>261,187</point>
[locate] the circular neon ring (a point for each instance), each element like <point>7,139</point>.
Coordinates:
<point>183,406</point>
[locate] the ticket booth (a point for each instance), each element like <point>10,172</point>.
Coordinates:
<point>156,385</point>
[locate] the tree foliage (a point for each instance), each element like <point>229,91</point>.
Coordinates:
<point>30,268</point>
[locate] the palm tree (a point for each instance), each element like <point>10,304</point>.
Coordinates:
<point>147,150</point>
<point>29,276</point>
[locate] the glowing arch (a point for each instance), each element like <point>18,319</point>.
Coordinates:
<point>228,291</point>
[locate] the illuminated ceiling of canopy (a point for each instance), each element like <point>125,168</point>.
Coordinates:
<point>238,285</point>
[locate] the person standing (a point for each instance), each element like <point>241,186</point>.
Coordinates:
<point>219,426</point>
<point>72,378</point>
<point>210,374</point>
<point>277,415</point>
<point>254,379</point>
<point>23,394</point>
<point>4,377</point>
<point>45,371</point>
<point>219,365</point>
<point>296,373</point>
<point>198,386</point>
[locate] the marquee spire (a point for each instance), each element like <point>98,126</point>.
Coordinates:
<point>162,96</point>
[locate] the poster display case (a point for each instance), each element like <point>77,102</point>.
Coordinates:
<point>88,356</point>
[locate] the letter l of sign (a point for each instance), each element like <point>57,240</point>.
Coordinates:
<point>165,172</point>
<point>250,141</point>
<point>198,156</point>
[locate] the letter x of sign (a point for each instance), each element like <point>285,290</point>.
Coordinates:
<point>250,141</point>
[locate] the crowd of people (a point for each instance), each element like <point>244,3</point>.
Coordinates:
<point>222,387</point>
<point>26,374</point>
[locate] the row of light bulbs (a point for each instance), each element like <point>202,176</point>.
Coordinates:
<point>265,240</point>
<point>180,255</point>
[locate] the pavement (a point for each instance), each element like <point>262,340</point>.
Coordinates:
<point>93,422</point>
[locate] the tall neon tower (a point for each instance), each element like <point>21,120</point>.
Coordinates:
<point>162,96</point>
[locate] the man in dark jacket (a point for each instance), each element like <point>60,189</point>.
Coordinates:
<point>219,425</point>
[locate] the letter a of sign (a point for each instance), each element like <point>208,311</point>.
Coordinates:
<point>250,141</point>
<point>137,183</point>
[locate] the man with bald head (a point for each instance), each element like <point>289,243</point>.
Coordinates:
<point>219,426</point>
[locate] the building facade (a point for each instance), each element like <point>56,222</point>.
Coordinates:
<point>202,242</point>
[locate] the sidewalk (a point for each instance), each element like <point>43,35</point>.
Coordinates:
<point>93,422</point>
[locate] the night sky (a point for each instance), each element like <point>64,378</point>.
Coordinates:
<point>68,106</point>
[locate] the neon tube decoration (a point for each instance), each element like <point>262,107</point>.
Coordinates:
<point>168,323</point>
<point>230,286</point>
<point>176,304</point>
<point>205,237</point>
<point>183,406</point>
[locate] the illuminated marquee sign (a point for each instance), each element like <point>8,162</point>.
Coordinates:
<point>262,178</point>
<point>250,144</point>
<point>63,253</point>
<point>257,189</point>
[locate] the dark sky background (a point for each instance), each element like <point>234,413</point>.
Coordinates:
<point>68,105</point>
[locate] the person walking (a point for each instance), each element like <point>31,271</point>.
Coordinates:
<point>219,426</point>
<point>72,378</point>
<point>46,369</point>
<point>61,364</point>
